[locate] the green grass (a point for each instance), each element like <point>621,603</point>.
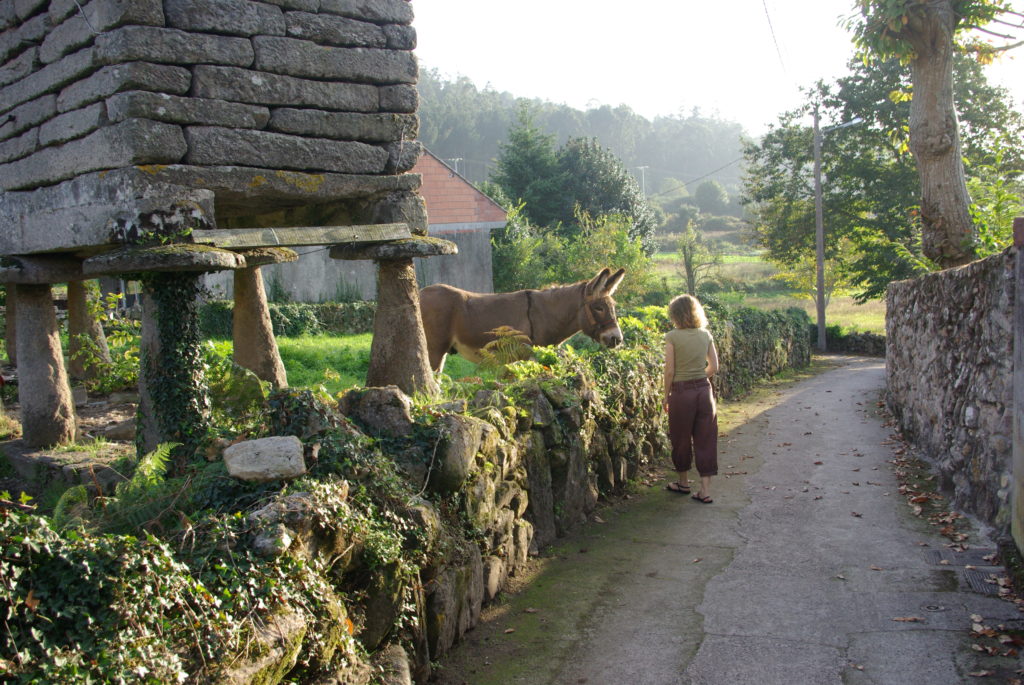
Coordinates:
<point>337,362</point>
<point>844,311</point>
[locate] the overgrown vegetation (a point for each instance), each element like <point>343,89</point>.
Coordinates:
<point>170,577</point>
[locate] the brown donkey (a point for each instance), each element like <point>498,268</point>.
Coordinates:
<point>455,320</point>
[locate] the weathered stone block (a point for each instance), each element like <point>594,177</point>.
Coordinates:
<point>19,67</point>
<point>21,146</point>
<point>399,208</point>
<point>7,15</point>
<point>399,98</point>
<point>382,411</point>
<point>377,11</point>
<point>259,88</point>
<point>326,29</point>
<point>71,125</point>
<point>26,116</point>
<point>403,155</point>
<point>26,8</point>
<point>462,437</point>
<point>265,459</point>
<point>232,17</point>
<point>158,78</point>
<point>305,5</point>
<point>400,37</point>
<point>209,145</point>
<point>304,58</point>
<point>137,141</point>
<point>183,110</point>
<point>29,33</point>
<point>370,128</point>
<point>72,34</point>
<point>47,80</point>
<point>151,44</point>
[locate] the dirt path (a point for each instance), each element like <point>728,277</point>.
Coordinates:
<point>808,568</point>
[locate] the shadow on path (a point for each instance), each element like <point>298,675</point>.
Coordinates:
<point>808,568</point>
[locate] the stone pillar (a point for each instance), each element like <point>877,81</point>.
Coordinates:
<point>82,322</point>
<point>1017,492</point>
<point>398,353</point>
<point>173,405</point>
<point>10,334</point>
<point>255,346</point>
<point>47,409</point>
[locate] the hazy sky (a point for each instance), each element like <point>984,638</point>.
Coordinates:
<point>659,57</point>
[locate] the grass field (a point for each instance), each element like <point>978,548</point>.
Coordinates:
<point>748,280</point>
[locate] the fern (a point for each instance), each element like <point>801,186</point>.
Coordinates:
<point>71,508</point>
<point>141,500</point>
<point>508,346</point>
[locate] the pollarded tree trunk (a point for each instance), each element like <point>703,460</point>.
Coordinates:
<point>948,233</point>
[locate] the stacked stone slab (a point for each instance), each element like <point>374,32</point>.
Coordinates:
<point>124,121</point>
<point>292,112</point>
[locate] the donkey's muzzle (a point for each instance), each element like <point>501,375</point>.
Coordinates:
<point>612,337</point>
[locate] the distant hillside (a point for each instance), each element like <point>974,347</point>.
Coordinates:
<point>465,126</point>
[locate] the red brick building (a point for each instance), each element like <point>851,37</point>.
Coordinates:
<point>459,212</point>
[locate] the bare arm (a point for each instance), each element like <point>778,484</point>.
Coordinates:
<point>712,367</point>
<point>669,372</point>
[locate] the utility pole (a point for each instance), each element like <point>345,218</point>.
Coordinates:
<point>455,163</point>
<point>643,179</point>
<point>819,234</point>
<point>819,221</point>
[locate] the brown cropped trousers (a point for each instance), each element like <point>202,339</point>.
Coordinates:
<point>693,426</point>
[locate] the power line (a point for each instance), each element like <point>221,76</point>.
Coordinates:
<point>775,40</point>
<point>699,178</point>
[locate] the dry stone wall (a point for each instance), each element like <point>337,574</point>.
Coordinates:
<point>950,377</point>
<point>280,108</point>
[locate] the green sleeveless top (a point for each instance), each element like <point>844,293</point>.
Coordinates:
<point>691,352</point>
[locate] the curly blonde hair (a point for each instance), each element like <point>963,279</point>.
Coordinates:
<point>687,312</point>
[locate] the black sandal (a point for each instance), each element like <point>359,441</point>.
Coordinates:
<point>676,487</point>
<point>706,499</point>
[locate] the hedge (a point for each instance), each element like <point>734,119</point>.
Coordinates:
<point>295,319</point>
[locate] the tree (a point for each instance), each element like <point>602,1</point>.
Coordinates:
<point>871,192</point>
<point>711,197</point>
<point>697,257</point>
<point>926,34</point>
<point>528,171</point>
<point>593,180</point>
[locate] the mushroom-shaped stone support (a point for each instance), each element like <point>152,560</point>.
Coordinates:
<point>47,408</point>
<point>255,347</point>
<point>398,353</point>
<point>173,403</point>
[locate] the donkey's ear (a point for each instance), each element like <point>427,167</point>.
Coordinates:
<point>613,282</point>
<point>597,283</point>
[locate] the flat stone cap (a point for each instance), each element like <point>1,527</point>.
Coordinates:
<point>261,256</point>
<point>40,270</point>
<point>405,248</point>
<point>163,258</point>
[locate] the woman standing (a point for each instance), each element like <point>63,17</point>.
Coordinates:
<point>690,361</point>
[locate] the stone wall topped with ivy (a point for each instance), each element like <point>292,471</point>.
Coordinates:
<point>411,516</point>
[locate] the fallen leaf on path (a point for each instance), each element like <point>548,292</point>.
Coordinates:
<point>817,497</point>
<point>876,568</point>
<point>981,674</point>
<point>598,519</point>
<point>909,619</point>
<point>509,630</point>
<point>530,610</point>
<point>697,560</point>
<point>840,576</point>
<point>857,666</point>
<point>856,483</point>
<point>977,618</point>
<point>818,463</point>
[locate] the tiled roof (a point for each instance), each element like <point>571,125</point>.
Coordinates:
<point>450,198</point>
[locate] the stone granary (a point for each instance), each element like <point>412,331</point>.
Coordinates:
<point>167,138</point>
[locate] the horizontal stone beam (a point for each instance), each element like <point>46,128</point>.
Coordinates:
<point>244,238</point>
<point>40,270</point>
<point>407,248</point>
<point>261,256</point>
<point>162,258</point>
